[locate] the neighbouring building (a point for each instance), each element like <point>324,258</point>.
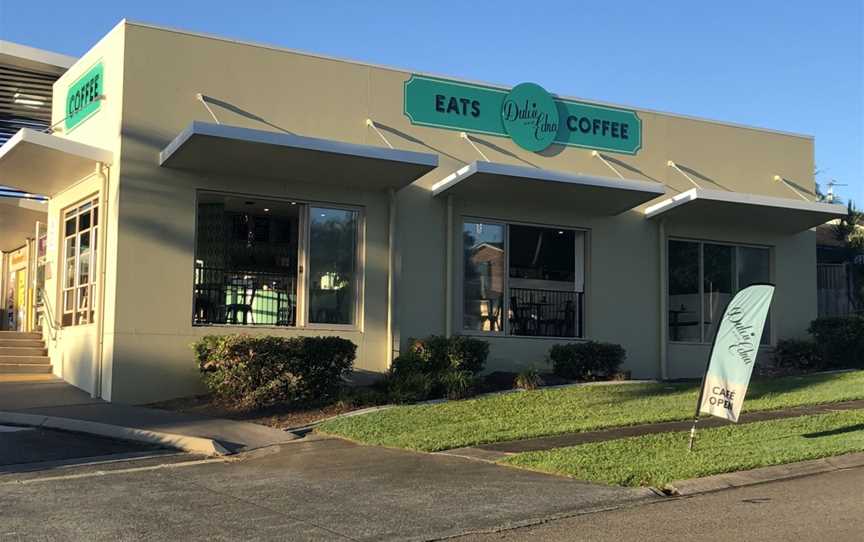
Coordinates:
<point>199,185</point>
<point>27,77</point>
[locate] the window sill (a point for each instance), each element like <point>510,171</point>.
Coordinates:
<point>699,343</point>
<point>491,335</point>
<point>314,327</point>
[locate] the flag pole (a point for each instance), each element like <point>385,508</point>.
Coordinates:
<point>699,400</point>
<point>704,377</point>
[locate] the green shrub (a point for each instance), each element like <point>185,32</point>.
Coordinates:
<point>457,384</point>
<point>528,379</point>
<point>409,387</point>
<point>457,353</point>
<point>436,367</point>
<point>586,360</point>
<point>252,372</point>
<point>797,355</point>
<point>410,362</point>
<point>840,341</point>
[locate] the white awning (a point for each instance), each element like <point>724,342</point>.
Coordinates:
<point>750,211</point>
<point>582,193</point>
<point>244,152</point>
<point>45,164</point>
<point>18,217</point>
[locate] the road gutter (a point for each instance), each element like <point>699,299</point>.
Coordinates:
<point>762,475</point>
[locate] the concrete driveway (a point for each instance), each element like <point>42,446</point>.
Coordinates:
<point>313,488</point>
<point>54,397</point>
<point>318,489</point>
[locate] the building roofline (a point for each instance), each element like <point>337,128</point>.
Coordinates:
<point>494,85</point>
<point>34,58</point>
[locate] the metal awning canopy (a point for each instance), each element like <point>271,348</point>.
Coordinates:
<point>18,217</point>
<point>244,152</point>
<point>45,164</point>
<point>534,186</point>
<point>750,211</point>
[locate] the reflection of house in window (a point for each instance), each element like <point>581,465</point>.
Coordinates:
<point>483,285</point>
<point>537,286</point>
<point>488,261</point>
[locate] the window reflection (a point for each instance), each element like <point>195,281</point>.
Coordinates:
<point>332,265</point>
<point>483,246</point>
<point>684,291</point>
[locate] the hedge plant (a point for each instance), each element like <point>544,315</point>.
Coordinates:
<point>435,367</point>
<point>839,341</point>
<point>589,360</point>
<point>252,372</point>
<point>797,355</point>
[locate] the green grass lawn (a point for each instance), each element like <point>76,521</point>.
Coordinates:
<point>656,460</point>
<point>565,410</point>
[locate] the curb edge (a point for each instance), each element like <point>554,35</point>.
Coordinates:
<point>186,443</point>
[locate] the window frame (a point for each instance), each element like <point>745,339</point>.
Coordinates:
<point>460,279</point>
<point>75,211</point>
<point>302,283</point>
<point>703,341</point>
<point>359,266</point>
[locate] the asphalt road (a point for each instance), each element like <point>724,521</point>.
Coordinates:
<point>827,507</point>
<point>325,489</point>
<point>329,489</point>
<point>20,446</point>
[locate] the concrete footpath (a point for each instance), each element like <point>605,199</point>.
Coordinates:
<point>55,404</point>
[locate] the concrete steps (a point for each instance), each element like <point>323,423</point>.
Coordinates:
<point>23,353</point>
<point>20,335</point>
<point>21,343</point>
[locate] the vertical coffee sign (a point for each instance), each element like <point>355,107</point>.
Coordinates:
<point>84,97</point>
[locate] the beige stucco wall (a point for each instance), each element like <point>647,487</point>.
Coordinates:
<point>74,352</point>
<point>72,349</point>
<point>151,255</point>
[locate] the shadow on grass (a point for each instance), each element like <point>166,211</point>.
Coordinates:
<point>764,386</point>
<point>838,431</point>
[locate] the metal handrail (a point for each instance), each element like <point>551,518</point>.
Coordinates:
<point>49,316</point>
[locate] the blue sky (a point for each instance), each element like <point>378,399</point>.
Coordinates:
<point>793,65</point>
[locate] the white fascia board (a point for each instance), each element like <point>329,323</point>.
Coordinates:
<point>37,56</point>
<point>746,199</point>
<point>508,170</point>
<point>295,141</point>
<point>33,137</point>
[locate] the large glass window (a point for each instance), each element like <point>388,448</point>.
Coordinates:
<point>684,274</point>
<point>703,277</point>
<point>332,265</point>
<point>80,234</point>
<point>718,276</point>
<point>522,280</point>
<point>260,261</point>
<point>483,280</point>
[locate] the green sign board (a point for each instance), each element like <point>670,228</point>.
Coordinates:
<point>84,97</point>
<point>524,114</point>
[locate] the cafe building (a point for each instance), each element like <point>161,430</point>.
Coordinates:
<point>198,185</point>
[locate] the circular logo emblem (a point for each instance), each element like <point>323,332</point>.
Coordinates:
<point>530,116</point>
